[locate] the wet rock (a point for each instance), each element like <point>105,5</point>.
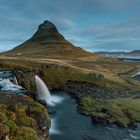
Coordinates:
<point>43,102</point>
<point>78,90</point>
<point>97,120</point>
<point>104,110</point>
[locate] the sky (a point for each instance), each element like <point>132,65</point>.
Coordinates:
<point>95,25</point>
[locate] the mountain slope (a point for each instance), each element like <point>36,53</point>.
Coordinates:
<point>48,42</point>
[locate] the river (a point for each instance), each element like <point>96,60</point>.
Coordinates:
<point>66,123</point>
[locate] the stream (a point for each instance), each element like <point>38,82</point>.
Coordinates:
<point>66,123</point>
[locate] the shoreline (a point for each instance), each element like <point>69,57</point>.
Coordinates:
<point>95,120</point>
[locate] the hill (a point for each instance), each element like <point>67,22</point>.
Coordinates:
<point>135,52</point>
<point>48,42</point>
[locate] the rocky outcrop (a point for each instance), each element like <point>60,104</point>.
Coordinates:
<point>83,89</point>
<point>48,32</point>
<point>107,112</point>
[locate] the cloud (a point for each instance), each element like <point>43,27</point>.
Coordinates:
<point>92,24</point>
<point>124,35</point>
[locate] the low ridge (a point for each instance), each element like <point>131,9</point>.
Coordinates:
<point>49,43</point>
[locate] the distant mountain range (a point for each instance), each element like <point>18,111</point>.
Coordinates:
<point>134,53</point>
<point>48,42</point>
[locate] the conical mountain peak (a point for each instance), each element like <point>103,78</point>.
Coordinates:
<point>47,31</point>
<point>47,26</point>
<point>48,42</point>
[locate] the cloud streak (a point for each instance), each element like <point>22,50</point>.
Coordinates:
<point>91,24</point>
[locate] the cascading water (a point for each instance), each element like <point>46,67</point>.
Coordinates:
<point>15,81</point>
<point>43,92</point>
<point>7,85</point>
<point>8,82</point>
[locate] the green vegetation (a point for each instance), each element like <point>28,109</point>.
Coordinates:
<point>22,127</point>
<point>106,74</point>
<point>120,111</point>
<point>57,62</point>
<point>4,131</point>
<point>60,76</point>
<point>21,121</point>
<point>26,133</point>
<point>56,73</point>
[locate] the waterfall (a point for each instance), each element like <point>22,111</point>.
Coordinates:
<point>15,81</point>
<point>7,85</point>
<point>43,92</point>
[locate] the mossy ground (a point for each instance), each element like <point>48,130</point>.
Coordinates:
<point>119,111</point>
<point>19,119</point>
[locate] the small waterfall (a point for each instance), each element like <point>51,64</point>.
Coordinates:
<point>15,81</point>
<point>8,82</point>
<point>43,91</point>
<point>7,85</point>
<point>43,94</point>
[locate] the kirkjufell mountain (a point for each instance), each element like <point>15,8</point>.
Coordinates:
<point>48,42</point>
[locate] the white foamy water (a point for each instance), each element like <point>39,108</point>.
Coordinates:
<point>56,99</point>
<point>54,130</point>
<point>138,73</point>
<point>7,85</point>
<point>134,137</point>
<point>43,93</point>
<point>15,81</point>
